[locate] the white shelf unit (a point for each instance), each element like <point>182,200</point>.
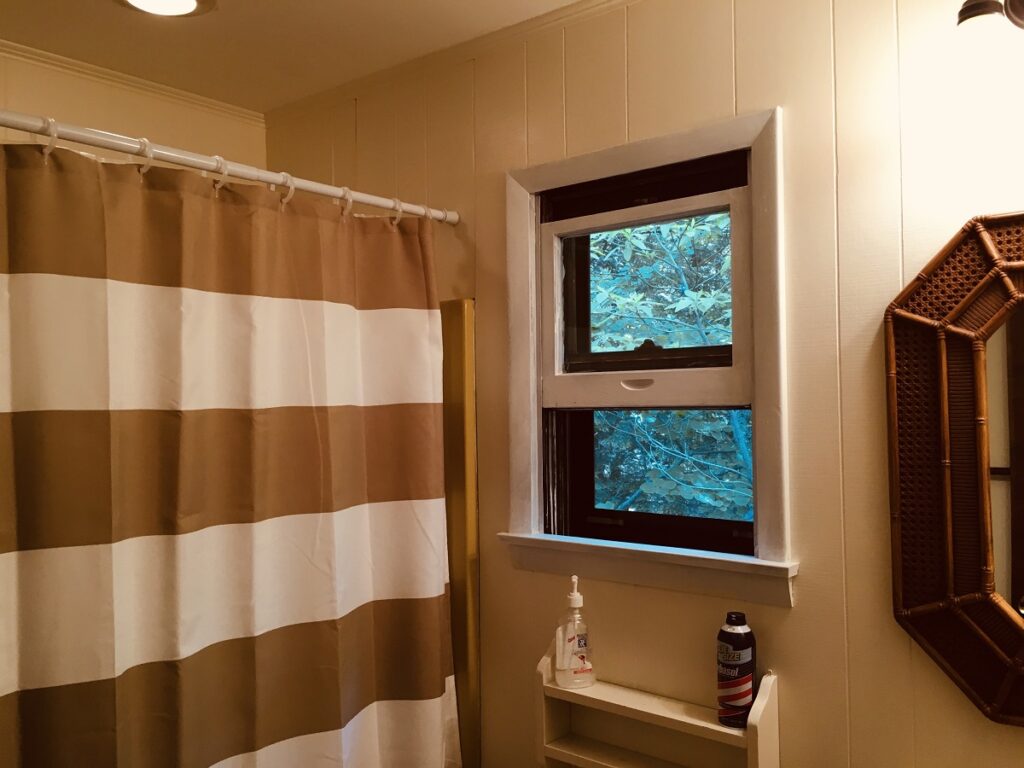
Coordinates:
<point>610,726</point>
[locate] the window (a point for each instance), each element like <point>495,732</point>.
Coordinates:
<point>654,295</point>
<point>646,359</point>
<point>629,420</point>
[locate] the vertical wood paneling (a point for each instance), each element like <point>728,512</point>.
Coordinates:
<point>500,144</point>
<point>299,141</point>
<point>411,140</point>
<point>784,57</point>
<point>949,731</point>
<point>5,133</point>
<point>76,98</point>
<point>545,105</point>
<point>958,161</point>
<point>680,65</point>
<point>450,171</point>
<point>595,83</point>
<point>343,143</point>
<point>500,127</point>
<point>868,162</point>
<point>41,90</point>
<point>855,690</point>
<point>375,144</point>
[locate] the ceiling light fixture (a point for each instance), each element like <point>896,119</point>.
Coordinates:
<point>1012,9</point>
<point>171,7</point>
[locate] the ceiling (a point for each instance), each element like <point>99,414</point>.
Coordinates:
<point>258,54</point>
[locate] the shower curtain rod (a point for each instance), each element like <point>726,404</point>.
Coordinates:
<point>47,126</point>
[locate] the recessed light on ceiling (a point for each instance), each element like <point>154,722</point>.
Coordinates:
<point>171,7</point>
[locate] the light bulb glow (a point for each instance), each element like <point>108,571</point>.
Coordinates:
<point>166,7</point>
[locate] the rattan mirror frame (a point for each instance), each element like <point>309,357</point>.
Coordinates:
<point>942,561</point>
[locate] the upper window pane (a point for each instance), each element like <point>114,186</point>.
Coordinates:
<point>651,295</point>
<point>669,283</point>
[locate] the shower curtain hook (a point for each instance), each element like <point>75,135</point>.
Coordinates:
<point>397,204</point>
<point>289,182</point>
<point>222,169</point>
<point>427,214</point>
<point>146,150</point>
<point>348,202</point>
<point>51,131</point>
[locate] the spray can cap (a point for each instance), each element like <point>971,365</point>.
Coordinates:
<point>736,618</point>
<point>575,598</point>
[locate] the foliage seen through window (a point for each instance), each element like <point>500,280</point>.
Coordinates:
<point>668,282</point>
<point>695,462</point>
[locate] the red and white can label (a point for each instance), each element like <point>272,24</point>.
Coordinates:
<point>735,677</point>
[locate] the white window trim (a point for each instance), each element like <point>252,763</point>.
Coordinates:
<point>764,578</point>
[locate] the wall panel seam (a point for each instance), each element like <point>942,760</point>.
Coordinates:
<point>625,65</point>
<point>839,387</point>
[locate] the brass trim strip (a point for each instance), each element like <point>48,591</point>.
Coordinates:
<point>460,482</point>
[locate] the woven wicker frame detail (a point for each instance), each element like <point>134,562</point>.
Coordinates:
<point>943,576</point>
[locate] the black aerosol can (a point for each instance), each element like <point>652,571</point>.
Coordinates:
<point>736,660</point>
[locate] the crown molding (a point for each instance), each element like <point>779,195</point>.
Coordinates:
<point>24,53</point>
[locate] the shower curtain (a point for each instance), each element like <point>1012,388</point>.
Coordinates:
<point>222,525</point>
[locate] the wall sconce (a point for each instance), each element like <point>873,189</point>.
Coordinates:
<point>1012,9</point>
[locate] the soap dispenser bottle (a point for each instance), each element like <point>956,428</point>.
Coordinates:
<point>573,663</point>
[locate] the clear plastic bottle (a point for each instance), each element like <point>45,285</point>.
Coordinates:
<point>574,666</point>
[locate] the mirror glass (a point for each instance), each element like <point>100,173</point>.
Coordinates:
<point>1005,368</point>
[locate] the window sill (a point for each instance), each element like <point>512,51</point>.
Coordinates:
<point>739,577</point>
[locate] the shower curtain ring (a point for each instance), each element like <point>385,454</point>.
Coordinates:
<point>397,205</point>
<point>146,150</point>
<point>347,196</point>
<point>222,170</point>
<point>51,131</point>
<point>427,213</point>
<point>289,182</point>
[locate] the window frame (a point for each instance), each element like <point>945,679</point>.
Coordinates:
<point>568,507</point>
<point>768,576</point>
<point>730,385</point>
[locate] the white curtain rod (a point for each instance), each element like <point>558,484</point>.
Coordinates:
<point>46,126</point>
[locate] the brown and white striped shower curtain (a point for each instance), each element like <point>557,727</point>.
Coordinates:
<point>222,531</point>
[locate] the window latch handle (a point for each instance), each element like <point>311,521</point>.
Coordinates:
<point>635,385</point>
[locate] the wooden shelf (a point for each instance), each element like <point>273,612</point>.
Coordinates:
<point>557,741</point>
<point>590,753</point>
<point>647,707</point>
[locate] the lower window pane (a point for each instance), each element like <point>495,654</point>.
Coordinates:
<point>694,463</point>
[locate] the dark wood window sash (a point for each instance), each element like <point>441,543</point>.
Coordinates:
<point>570,509</point>
<point>568,435</point>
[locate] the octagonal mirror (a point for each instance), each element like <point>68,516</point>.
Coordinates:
<point>955,368</point>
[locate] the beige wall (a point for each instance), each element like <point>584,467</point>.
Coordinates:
<point>38,83</point>
<point>897,128</point>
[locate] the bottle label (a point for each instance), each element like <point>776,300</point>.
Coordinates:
<point>578,652</point>
<point>735,677</point>
<point>729,655</point>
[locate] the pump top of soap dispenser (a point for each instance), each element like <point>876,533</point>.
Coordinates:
<point>575,598</point>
